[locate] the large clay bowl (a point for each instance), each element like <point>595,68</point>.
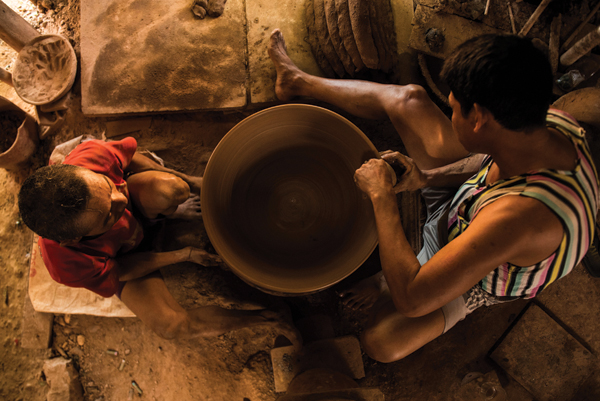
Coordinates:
<point>45,69</point>
<point>279,200</point>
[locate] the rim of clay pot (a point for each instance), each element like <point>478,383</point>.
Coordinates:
<point>21,73</point>
<point>275,131</point>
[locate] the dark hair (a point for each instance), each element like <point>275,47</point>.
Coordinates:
<point>52,199</point>
<point>506,74</point>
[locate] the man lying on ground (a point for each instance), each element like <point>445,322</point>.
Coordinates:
<point>92,212</point>
<point>501,226</point>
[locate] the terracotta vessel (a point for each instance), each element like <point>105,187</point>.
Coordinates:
<point>26,142</point>
<point>279,200</point>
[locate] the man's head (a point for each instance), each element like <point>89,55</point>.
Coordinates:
<point>506,74</point>
<point>65,203</point>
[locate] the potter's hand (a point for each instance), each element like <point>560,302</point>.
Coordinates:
<point>373,177</point>
<point>203,258</point>
<point>412,179</point>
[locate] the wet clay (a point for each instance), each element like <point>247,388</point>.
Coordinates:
<point>314,41</point>
<point>325,40</point>
<point>214,8</point>
<point>10,122</point>
<point>361,27</point>
<point>345,28</point>
<point>199,8</point>
<point>331,17</point>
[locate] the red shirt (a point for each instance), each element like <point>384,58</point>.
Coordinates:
<point>90,263</point>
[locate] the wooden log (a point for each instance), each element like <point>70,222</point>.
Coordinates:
<point>346,33</point>
<point>580,27</point>
<point>581,47</point>
<point>361,26</point>
<point>324,39</point>
<point>14,30</point>
<point>534,17</point>
<point>313,41</point>
<point>331,18</point>
<point>554,42</point>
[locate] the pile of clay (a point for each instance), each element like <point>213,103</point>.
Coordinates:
<point>351,36</point>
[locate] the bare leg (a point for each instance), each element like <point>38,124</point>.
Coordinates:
<point>151,301</point>
<point>390,336</point>
<point>425,131</point>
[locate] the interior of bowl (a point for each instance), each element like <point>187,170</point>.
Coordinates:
<point>45,69</point>
<point>279,200</point>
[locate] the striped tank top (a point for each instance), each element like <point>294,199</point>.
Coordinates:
<point>571,195</point>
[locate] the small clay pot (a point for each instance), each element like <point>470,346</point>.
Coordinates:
<point>26,141</point>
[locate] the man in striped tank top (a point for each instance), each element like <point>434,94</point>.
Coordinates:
<point>510,188</point>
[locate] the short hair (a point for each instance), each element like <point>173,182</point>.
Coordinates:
<point>506,74</point>
<point>52,199</point>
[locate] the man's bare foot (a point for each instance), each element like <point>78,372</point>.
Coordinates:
<point>365,293</point>
<point>287,72</point>
<point>188,210</point>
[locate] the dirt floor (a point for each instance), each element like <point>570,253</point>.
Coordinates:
<point>235,366</point>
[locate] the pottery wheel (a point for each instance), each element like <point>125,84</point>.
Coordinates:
<point>279,200</point>
<point>45,69</point>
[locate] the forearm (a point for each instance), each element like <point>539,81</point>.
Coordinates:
<point>455,174</point>
<point>136,265</point>
<point>140,163</point>
<point>399,263</point>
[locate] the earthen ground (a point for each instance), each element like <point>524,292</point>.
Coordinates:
<point>234,366</point>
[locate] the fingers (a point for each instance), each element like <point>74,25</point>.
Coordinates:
<point>204,258</point>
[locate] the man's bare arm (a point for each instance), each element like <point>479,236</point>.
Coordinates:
<point>512,229</point>
<point>140,264</point>
<point>140,163</point>
<point>451,175</point>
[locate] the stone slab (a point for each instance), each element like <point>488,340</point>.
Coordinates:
<point>543,357</point>
<point>153,56</point>
<point>340,354</point>
<point>264,16</point>
<point>37,327</point>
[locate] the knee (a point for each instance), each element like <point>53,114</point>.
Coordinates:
<point>406,99</point>
<point>171,327</point>
<point>377,346</point>
<point>413,94</point>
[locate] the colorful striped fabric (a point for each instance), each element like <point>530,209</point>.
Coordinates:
<point>571,195</point>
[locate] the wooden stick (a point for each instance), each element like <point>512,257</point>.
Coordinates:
<point>487,7</point>
<point>512,18</point>
<point>580,27</point>
<point>554,42</point>
<point>581,47</point>
<point>14,30</point>
<point>534,17</point>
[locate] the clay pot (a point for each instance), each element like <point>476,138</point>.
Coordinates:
<point>279,201</point>
<point>26,142</point>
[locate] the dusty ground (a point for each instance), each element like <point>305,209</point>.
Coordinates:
<point>234,366</point>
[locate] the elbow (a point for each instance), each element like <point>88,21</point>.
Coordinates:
<point>408,307</point>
